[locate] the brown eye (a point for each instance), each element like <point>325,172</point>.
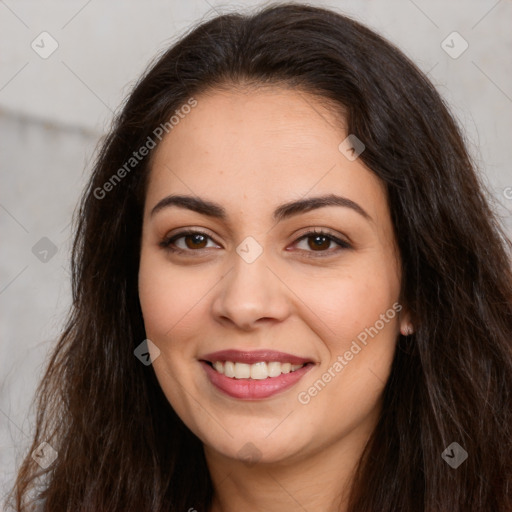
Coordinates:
<point>319,242</point>
<point>316,242</point>
<point>196,241</point>
<point>193,241</point>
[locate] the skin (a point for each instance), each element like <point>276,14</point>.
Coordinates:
<point>251,150</point>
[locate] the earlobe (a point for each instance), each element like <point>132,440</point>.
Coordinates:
<point>407,329</point>
<point>406,326</point>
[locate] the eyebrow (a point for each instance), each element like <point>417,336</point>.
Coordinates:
<point>285,211</point>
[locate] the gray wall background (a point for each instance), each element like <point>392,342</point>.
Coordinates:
<point>55,108</point>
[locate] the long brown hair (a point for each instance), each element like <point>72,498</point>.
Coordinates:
<point>121,446</point>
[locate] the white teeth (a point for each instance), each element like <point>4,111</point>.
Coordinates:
<point>218,366</point>
<point>257,371</point>
<point>274,369</point>
<point>229,368</point>
<point>242,371</point>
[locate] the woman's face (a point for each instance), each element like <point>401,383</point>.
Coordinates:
<point>251,282</point>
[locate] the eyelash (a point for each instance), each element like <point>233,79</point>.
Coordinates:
<point>167,242</point>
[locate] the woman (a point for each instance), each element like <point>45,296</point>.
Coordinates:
<point>289,291</point>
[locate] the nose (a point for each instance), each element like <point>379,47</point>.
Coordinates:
<point>251,294</point>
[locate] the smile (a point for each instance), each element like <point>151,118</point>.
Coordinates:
<point>255,374</point>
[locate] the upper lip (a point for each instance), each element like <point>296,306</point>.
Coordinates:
<point>255,356</point>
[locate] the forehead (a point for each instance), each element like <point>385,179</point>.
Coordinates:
<point>258,148</point>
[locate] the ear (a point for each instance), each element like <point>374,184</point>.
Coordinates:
<point>406,326</point>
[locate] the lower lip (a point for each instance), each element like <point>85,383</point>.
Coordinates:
<point>253,389</point>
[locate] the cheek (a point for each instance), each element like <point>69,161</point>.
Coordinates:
<point>349,304</point>
<point>361,314</point>
<point>358,322</point>
<point>365,320</point>
<point>171,304</point>
<point>170,297</point>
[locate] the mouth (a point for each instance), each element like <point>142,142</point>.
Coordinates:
<point>254,375</point>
